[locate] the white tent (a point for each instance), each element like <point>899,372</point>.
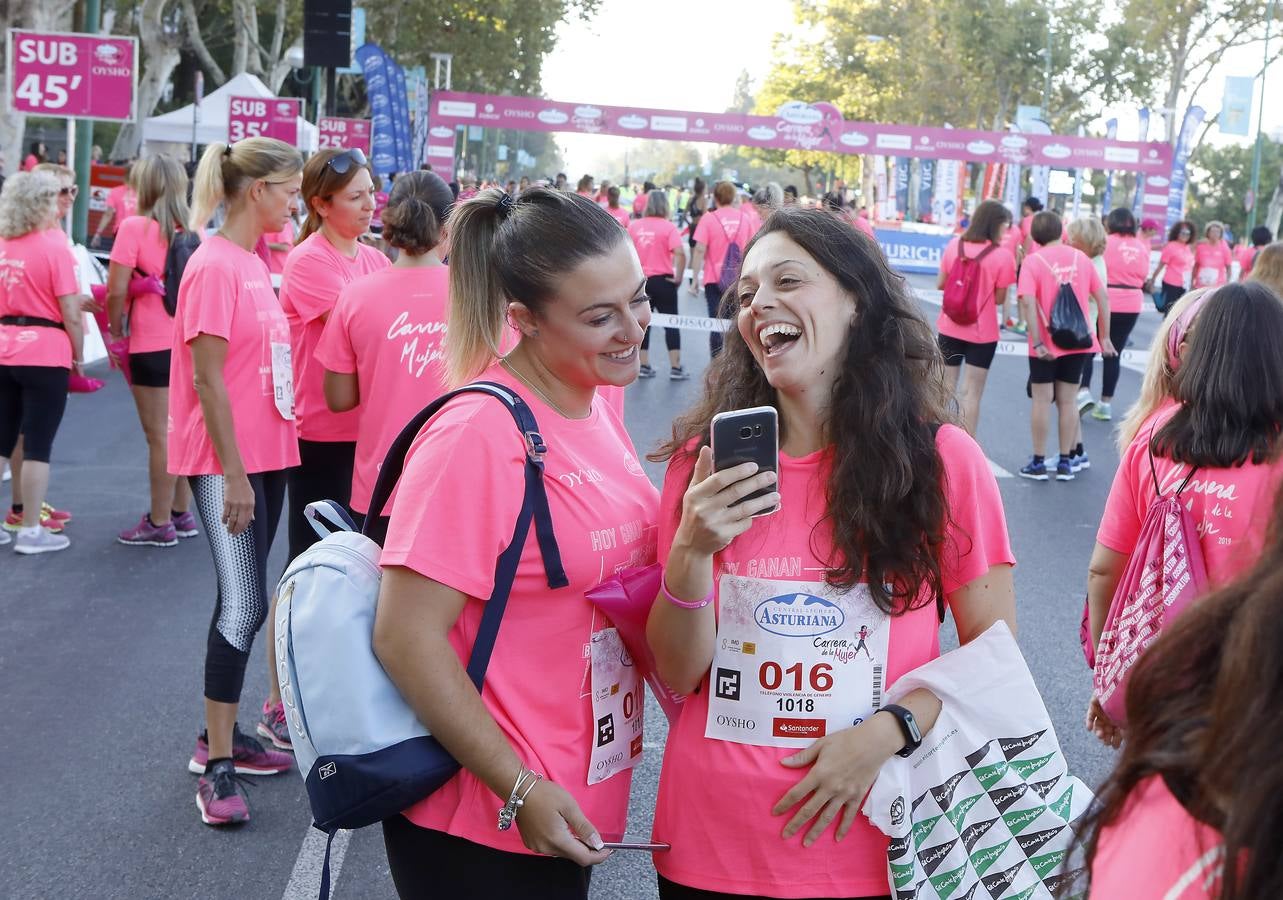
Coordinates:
<point>176,127</point>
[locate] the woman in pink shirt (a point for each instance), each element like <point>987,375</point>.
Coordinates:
<point>1175,264</point>
<point>782,630</point>
<point>41,343</point>
<point>383,347</point>
<point>975,343</point>
<point>1126,269</point>
<point>279,245</point>
<point>338,192</point>
<point>140,247</point>
<point>617,212</point>
<point>557,267</point>
<point>1212,257</point>
<point>122,202</point>
<point>714,235</point>
<point>663,260</point>
<point>1198,782</point>
<point>232,434</point>
<point>1223,427</point>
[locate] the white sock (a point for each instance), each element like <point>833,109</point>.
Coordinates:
<point>33,531</point>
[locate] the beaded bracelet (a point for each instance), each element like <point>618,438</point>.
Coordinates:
<point>685,604</point>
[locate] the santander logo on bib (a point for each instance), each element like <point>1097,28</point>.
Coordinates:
<point>798,615</point>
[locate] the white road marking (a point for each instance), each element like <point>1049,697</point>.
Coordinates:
<point>305,880</point>
<point>998,471</point>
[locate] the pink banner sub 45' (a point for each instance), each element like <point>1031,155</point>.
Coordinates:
<point>79,76</point>
<point>344,134</point>
<point>274,117</point>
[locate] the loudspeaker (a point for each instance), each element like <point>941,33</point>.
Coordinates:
<point>327,33</point>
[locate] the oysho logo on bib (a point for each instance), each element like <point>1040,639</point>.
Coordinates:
<point>799,615</point>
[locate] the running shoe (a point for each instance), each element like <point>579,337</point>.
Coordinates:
<point>219,797</point>
<point>1085,402</point>
<point>1019,328</point>
<point>13,522</point>
<point>645,371</point>
<point>1035,470</point>
<point>185,525</point>
<point>251,757</point>
<point>39,540</point>
<point>60,515</point>
<point>677,373</point>
<point>1064,469</point>
<point>1102,413</point>
<point>145,534</point>
<point>272,727</point>
<point>1080,461</point>
<point>4,537</point>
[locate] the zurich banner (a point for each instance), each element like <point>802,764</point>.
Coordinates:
<point>375,65</point>
<point>404,134</point>
<point>910,251</point>
<point>1176,190</point>
<point>926,184</point>
<point>902,185</point>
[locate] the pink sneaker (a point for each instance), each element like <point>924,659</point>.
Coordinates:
<point>58,515</point>
<point>220,799</point>
<point>145,534</point>
<point>185,525</point>
<point>251,757</point>
<point>272,727</point>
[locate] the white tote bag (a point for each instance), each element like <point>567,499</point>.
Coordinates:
<point>982,809</point>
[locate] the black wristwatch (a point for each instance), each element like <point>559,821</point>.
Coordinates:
<point>908,727</point>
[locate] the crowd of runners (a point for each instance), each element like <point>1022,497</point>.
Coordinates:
<point>256,400</point>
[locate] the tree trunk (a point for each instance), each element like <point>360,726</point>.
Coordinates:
<point>160,56</point>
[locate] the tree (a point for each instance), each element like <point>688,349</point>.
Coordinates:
<point>1220,182</point>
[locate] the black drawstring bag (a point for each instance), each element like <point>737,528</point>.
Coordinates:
<point>1068,325</point>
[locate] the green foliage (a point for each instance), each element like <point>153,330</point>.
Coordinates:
<point>1220,179</point>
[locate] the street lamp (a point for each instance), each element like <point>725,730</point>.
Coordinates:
<point>1260,118</point>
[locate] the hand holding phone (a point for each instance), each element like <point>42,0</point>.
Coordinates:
<point>636,845</point>
<point>744,436</point>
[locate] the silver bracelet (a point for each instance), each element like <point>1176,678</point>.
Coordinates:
<point>521,788</point>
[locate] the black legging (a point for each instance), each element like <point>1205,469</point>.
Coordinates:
<point>433,865</point>
<point>1120,329</point>
<point>671,890</point>
<point>240,567</point>
<point>324,472</point>
<point>713,299</point>
<point>32,401</point>
<point>1171,293</point>
<point>663,297</point>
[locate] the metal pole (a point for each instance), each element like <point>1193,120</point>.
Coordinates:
<point>1260,117</point>
<point>331,92</point>
<point>84,142</point>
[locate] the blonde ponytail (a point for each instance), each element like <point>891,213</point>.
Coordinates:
<point>225,170</point>
<point>478,302</point>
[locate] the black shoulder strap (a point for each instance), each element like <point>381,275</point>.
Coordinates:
<point>534,508</point>
<point>1153,469</point>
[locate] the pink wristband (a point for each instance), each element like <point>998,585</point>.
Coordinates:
<point>685,604</point>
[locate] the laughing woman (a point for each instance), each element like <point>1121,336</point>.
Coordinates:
<point>887,514</point>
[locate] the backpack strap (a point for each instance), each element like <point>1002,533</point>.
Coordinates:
<point>1153,469</point>
<point>534,509</point>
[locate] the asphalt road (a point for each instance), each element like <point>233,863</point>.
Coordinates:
<point>101,649</point>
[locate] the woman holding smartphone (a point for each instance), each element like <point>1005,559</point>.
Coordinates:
<point>556,267</point>
<point>786,628</point>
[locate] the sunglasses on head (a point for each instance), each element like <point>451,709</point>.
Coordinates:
<point>346,160</point>
<point>69,191</point>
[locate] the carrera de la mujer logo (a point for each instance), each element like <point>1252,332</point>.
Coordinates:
<point>798,615</point>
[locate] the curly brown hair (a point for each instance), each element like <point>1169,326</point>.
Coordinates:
<point>888,400</point>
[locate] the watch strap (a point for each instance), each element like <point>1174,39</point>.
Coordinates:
<point>908,727</point>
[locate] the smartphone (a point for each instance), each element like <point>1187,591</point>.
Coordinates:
<point>636,845</point>
<point>748,435</point>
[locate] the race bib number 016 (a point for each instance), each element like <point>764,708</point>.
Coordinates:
<point>795,660</point>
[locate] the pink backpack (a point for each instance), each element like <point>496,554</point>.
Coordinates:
<point>1163,576</point>
<point>962,300</point>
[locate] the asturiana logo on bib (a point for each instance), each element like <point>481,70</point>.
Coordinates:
<point>798,615</point>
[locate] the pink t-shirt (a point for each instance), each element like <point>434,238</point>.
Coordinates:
<point>1041,276</point>
<point>35,270</point>
<point>639,203</point>
<point>278,257</point>
<point>1012,239</point>
<point>1230,507</point>
<point>1027,234</point>
<point>1126,263</point>
<point>124,202</point>
<point>227,292</point>
<point>1211,263</point>
<point>715,796</point>
<point>1157,851</point>
<point>754,217</point>
<point>997,272</point>
<point>314,274</point>
<point>716,230</point>
<point>861,223</point>
<point>655,240</point>
<point>462,489</point>
<point>388,328</point>
<point>620,215</point>
<point>1177,259</point>
<point>140,245</point>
